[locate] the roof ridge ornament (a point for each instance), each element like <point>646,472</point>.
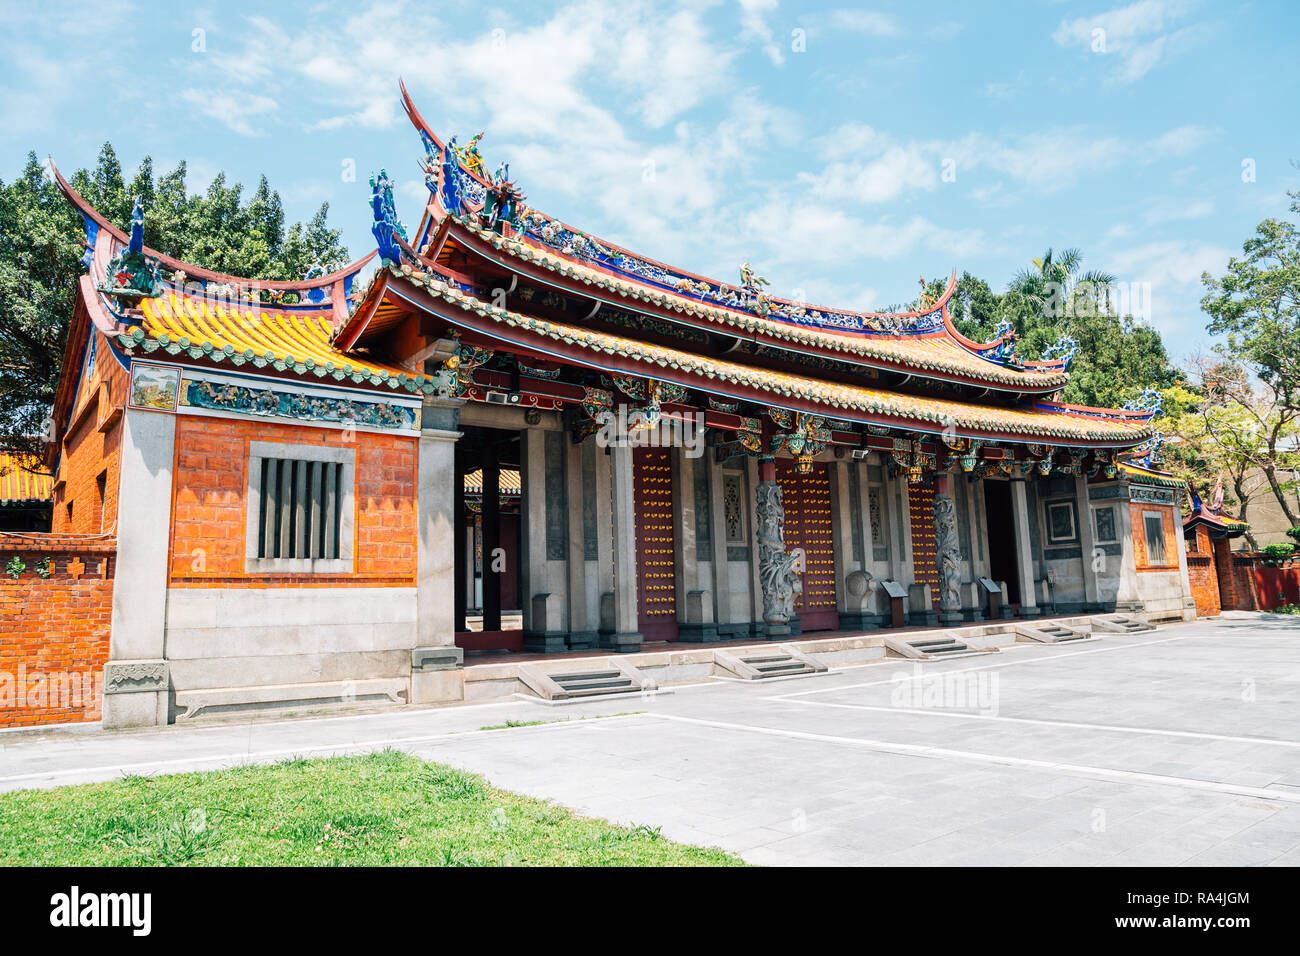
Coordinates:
<point>386,226</point>
<point>1062,351</point>
<point>132,275</point>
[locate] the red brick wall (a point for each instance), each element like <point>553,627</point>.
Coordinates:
<point>208,513</point>
<point>1173,535</point>
<point>1202,574</point>
<point>1236,578</point>
<point>55,629</point>
<point>89,452</point>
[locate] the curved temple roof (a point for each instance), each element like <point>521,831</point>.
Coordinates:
<point>210,316</point>
<point>932,353</point>
<point>845,402</point>
<point>822,326</point>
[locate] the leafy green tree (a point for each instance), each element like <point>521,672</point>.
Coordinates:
<point>1118,356</point>
<point>1256,306</point>
<point>42,242</point>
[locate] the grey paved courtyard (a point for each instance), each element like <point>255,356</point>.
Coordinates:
<point>1181,746</point>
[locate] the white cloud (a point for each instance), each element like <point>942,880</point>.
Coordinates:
<point>754,26</point>
<point>236,109</point>
<point>1135,34</point>
<point>866,21</point>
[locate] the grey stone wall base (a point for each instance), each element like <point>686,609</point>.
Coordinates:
<point>857,621</point>
<point>951,618</point>
<point>135,677</point>
<point>1005,612</point>
<point>546,642</point>
<point>697,633</point>
<point>137,709</point>
<point>582,640</point>
<point>1130,607</point>
<point>626,643</point>
<point>779,632</point>
<point>796,626</point>
<point>922,619</point>
<point>1030,611</point>
<point>441,658</point>
<point>972,613</point>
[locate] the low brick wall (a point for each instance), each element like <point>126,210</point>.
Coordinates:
<point>1204,579</point>
<point>56,599</point>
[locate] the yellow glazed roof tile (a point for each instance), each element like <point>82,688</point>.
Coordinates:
<point>18,484</point>
<point>285,339</point>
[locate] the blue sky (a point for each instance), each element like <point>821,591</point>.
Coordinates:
<point>844,150</point>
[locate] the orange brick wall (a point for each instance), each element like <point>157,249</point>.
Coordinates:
<point>55,630</point>
<point>88,452</point>
<point>208,513</point>
<point>1203,575</point>
<point>1236,577</point>
<point>1173,537</point>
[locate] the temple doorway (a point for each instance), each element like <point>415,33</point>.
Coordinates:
<point>656,544</point>
<point>1002,537</point>
<point>489,495</point>
<point>808,523</point>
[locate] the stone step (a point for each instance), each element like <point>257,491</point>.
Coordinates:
<point>941,640</point>
<point>946,648</point>
<point>767,659</point>
<point>626,688</point>
<point>788,665</point>
<point>583,675</point>
<point>611,683</point>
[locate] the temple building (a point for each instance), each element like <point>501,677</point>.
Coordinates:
<point>499,435</point>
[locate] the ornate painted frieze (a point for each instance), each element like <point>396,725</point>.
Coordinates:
<point>1145,494</point>
<point>276,403</point>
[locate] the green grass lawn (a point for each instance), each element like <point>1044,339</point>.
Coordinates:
<point>381,809</point>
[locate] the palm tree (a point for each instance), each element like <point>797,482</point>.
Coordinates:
<point>1054,280</point>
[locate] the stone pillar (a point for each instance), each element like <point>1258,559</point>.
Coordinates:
<point>136,678</point>
<point>1021,517</point>
<point>1088,546</point>
<point>625,636</point>
<point>1128,597</point>
<point>1184,577</point>
<point>947,553</point>
<point>545,587</point>
<point>435,576</point>
<point>582,631</point>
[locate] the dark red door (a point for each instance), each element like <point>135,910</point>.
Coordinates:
<point>656,545</point>
<point>925,568</point>
<point>807,503</point>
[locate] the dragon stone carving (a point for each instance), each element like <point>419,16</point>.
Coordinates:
<point>947,553</point>
<point>776,574</point>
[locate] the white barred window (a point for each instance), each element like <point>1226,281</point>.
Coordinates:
<point>300,508</point>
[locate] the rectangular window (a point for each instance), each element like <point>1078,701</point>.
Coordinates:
<point>101,483</point>
<point>876,513</point>
<point>1104,519</point>
<point>733,504</point>
<point>1060,522</point>
<point>299,508</point>
<point>1154,523</point>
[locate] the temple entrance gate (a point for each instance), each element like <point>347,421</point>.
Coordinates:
<point>656,544</point>
<point>808,524</point>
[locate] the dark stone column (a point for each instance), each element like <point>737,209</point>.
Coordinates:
<point>491,537</point>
